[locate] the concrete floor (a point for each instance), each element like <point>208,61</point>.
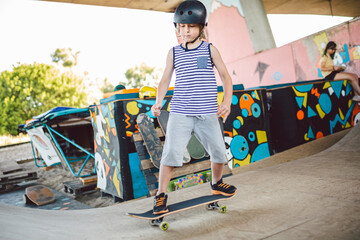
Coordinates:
<point>313,197</point>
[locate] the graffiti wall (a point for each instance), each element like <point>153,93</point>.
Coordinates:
<point>294,62</point>
<point>116,160</point>
<point>310,111</point>
<point>298,113</point>
<point>111,158</point>
<point>246,131</point>
<point>106,149</point>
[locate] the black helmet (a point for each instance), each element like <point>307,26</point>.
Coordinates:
<point>190,12</point>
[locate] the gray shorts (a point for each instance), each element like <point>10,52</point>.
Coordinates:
<point>178,133</point>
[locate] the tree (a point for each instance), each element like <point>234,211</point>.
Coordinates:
<point>31,89</point>
<point>107,87</point>
<point>66,56</point>
<point>142,75</point>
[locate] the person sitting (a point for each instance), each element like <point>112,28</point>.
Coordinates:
<point>332,72</point>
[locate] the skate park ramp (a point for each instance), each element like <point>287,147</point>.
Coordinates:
<point>315,197</point>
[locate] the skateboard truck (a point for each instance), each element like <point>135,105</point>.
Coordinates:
<point>216,206</point>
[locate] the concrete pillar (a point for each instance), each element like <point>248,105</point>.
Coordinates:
<point>257,24</point>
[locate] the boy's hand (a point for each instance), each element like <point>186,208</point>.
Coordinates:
<point>224,110</point>
<point>155,109</point>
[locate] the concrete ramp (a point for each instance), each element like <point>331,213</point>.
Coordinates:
<point>315,197</point>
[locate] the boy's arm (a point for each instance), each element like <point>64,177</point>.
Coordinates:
<point>164,84</point>
<point>225,106</point>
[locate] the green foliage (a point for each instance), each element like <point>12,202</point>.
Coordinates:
<point>31,89</point>
<point>142,75</point>
<point>107,87</point>
<point>66,56</point>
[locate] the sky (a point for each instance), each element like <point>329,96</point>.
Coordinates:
<point>110,40</point>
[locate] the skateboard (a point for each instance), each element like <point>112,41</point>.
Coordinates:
<point>210,202</point>
<point>194,148</point>
<point>39,194</point>
<point>152,141</point>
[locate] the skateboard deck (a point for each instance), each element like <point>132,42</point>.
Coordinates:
<point>38,194</point>
<point>194,148</point>
<point>152,141</point>
<point>210,201</point>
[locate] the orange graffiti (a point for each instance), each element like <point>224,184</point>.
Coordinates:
<point>319,135</point>
<point>230,134</point>
<point>354,113</point>
<point>315,92</point>
<point>113,130</point>
<point>127,121</point>
<point>300,115</point>
<point>245,103</point>
<point>95,146</point>
<point>107,168</point>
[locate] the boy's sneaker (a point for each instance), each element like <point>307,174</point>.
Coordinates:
<point>223,188</point>
<point>160,204</point>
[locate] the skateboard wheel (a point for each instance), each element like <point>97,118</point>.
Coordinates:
<point>222,209</point>
<point>26,199</point>
<point>164,226</point>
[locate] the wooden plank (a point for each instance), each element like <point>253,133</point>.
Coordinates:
<point>146,164</point>
<point>189,169</point>
<point>150,177</point>
<point>9,166</point>
<point>137,136</point>
<point>18,177</point>
<point>141,150</point>
<point>47,168</point>
<point>16,174</point>
<point>25,160</point>
<point>89,180</point>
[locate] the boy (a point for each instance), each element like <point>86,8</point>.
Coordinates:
<point>193,107</point>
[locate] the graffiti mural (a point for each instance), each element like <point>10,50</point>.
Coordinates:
<point>106,148</point>
<point>302,113</point>
<point>247,130</point>
<point>134,107</point>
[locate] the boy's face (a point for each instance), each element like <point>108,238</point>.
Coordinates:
<point>188,32</point>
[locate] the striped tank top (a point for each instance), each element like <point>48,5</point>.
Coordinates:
<point>195,91</point>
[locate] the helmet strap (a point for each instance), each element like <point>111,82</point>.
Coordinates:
<point>186,44</point>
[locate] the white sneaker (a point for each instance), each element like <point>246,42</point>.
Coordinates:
<point>356,98</point>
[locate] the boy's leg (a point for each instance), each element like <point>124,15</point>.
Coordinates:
<point>208,131</point>
<point>217,171</point>
<point>160,200</point>
<point>177,137</point>
<point>164,178</point>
